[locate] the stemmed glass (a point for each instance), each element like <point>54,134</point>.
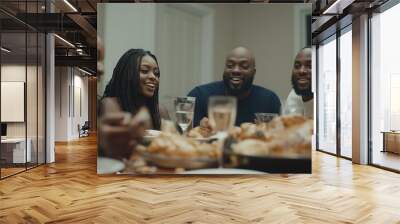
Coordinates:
<point>184,110</point>
<point>222,116</point>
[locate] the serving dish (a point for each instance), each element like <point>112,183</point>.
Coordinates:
<point>265,163</point>
<point>179,162</point>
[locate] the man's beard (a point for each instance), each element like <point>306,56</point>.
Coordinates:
<point>301,92</point>
<point>246,85</point>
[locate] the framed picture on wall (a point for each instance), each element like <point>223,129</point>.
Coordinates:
<point>12,101</point>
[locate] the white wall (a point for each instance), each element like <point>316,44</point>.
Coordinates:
<point>14,73</point>
<point>272,46</point>
<point>184,48</point>
<point>270,30</point>
<point>33,126</point>
<point>80,83</point>
<point>274,32</point>
<point>223,36</point>
<point>68,80</point>
<point>125,27</point>
<point>61,103</point>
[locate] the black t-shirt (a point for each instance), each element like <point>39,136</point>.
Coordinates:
<point>260,100</point>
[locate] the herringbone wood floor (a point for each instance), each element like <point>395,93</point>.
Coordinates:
<point>69,191</point>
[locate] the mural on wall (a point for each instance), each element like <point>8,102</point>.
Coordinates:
<point>213,93</point>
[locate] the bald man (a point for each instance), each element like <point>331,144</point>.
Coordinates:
<point>238,76</point>
<point>300,99</point>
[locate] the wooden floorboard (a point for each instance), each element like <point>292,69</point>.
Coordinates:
<point>69,191</point>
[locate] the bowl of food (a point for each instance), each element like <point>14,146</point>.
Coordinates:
<point>170,150</point>
<point>281,146</point>
<point>174,162</point>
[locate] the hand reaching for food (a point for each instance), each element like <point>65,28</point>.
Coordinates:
<point>202,131</point>
<point>119,132</point>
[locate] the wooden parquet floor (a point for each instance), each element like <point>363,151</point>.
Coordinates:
<point>70,191</point>
<point>10,171</point>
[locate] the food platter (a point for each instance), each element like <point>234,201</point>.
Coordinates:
<point>266,163</point>
<point>150,135</point>
<point>179,162</point>
<point>282,146</point>
<point>217,171</point>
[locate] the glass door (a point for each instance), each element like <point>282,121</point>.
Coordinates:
<point>14,154</point>
<point>22,77</point>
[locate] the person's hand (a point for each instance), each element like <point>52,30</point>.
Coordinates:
<point>119,132</point>
<point>118,135</point>
<point>205,127</point>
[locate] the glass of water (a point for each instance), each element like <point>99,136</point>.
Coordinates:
<point>184,110</point>
<point>222,116</point>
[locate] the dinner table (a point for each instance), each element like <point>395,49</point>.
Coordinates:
<point>233,164</point>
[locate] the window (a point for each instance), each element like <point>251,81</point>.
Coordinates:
<point>346,92</point>
<point>385,86</point>
<point>327,96</point>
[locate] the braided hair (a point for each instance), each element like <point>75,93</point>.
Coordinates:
<point>125,85</point>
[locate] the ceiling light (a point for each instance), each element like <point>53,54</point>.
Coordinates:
<point>328,10</point>
<point>5,49</point>
<point>337,7</point>
<point>70,5</point>
<point>65,41</point>
<point>86,72</point>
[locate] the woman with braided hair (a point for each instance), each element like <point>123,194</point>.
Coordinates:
<point>133,86</point>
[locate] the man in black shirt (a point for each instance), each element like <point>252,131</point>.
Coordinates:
<point>237,81</point>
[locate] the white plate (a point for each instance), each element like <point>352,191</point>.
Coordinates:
<point>152,133</point>
<point>179,162</point>
<point>223,171</point>
<point>108,165</point>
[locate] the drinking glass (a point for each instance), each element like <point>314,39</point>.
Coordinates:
<point>222,116</point>
<point>184,110</point>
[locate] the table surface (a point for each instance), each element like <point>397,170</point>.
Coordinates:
<point>391,132</point>
<point>13,140</point>
<point>138,165</point>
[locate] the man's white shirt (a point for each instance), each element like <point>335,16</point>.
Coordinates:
<point>296,101</point>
